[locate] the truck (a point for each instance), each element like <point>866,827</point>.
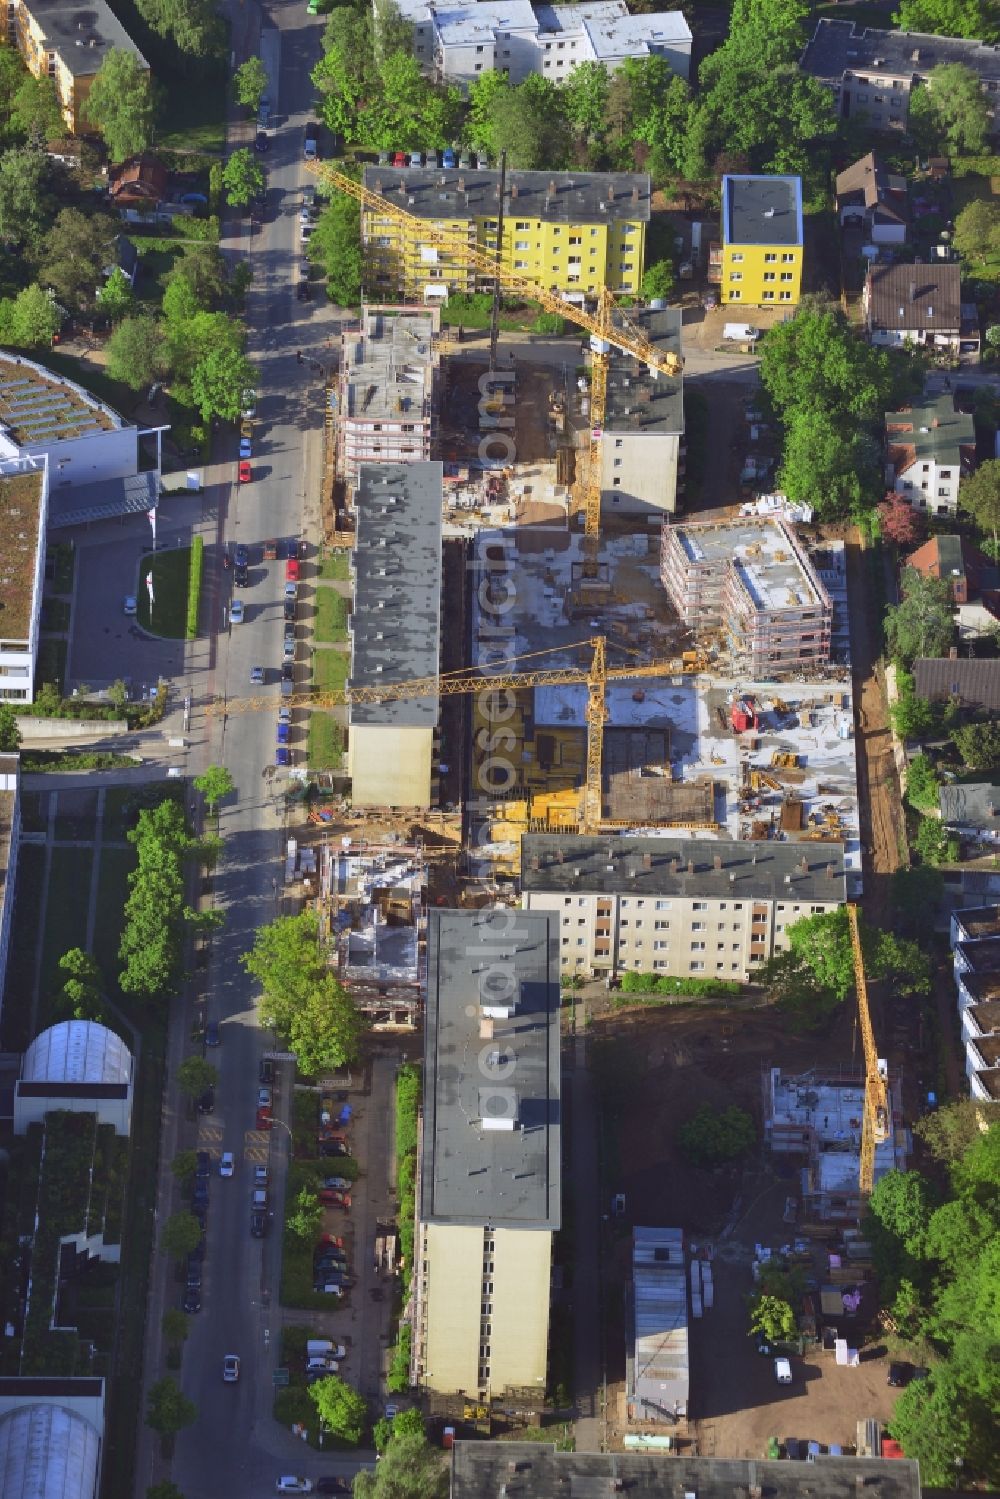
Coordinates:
<point>740,332</point>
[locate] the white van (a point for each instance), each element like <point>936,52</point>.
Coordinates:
<point>741,332</point>
<point>323,1348</point>
<point>782,1371</point>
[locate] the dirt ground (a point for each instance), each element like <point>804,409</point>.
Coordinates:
<point>534,438</point>
<point>663,1065</point>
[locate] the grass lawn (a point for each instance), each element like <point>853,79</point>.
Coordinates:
<point>330,668</point>
<point>335,567</point>
<point>50,663</point>
<point>65,918</point>
<point>170,571</point>
<point>330,623</point>
<point>156,266</point>
<point>194,117</point>
<point>17,1030</point>
<point>112,892</point>
<point>326,742</point>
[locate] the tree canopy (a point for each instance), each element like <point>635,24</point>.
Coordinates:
<point>302,999</point>
<point>335,244</point>
<point>250,83</point>
<point>243,177</point>
<point>973,19</point>
<point>409,1468</point>
<point>121,104</point>
<point>169,1410</point>
<point>816,974</point>
<point>341,1408</point>
<point>214,783</point>
<point>712,1137</point>
<point>950,112</point>
<point>921,624</point>
<point>980,496</point>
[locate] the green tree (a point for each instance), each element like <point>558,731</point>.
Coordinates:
<point>250,83</point>
<point>980,496</point>
<point>772,1319</point>
<point>585,99</point>
<point>121,104</point>
<point>243,177</point>
<point>214,783</point>
<point>976,235</point>
<point>25,201</point>
<point>169,1410</point>
<point>959,1228</point>
<point>176,1325</point>
<point>80,995</point>
<point>835,471</point>
<point>921,623</point>
<point>815,362</point>
<point>77,248</point>
<point>979,745</point>
<point>201,273</point>
<point>408,1469</point>
<point>325,1029</point>
<point>409,1422</point>
<point>184,1165</point>
<point>194,26</point>
<point>340,1408</point>
<point>903,963</point>
<point>913,717</point>
<point>10,733</point>
<point>218,382</point>
<point>135,354</point>
<point>194,1075</point>
<point>304,1221</point>
<point>933,1422</point>
<point>529,123</point>
<point>950,112</point>
<point>899,1214</point>
<point>658,280</point>
<point>116,297</point>
<point>484,94</point>
<point>335,245</point>
<point>916,891</point>
<point>346,74</point>
<point>950,1131</point>
<point>973,19</point>
<point>711,1138</point>
<point>181,1235</point>
<point>35,110</point>
<point>302,999</point>
<point>406,108</point>
<point>922,784</point>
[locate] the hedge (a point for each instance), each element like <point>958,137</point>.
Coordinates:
<point>194,587</point>
<point>651,989</point>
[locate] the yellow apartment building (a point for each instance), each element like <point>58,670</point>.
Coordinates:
<point>67,43</point>
<point>759,262</point>
<point>573,233</point>
<point>488,1199</point>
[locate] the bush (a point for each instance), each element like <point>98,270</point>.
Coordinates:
<point>194,587</point>
<point>922,784</point>
<point>711,1138</point>
<point>652,989</point>
<point>549,322</point>
<point>398,1378</point>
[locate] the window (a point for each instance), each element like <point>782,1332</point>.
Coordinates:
<point>617,462</point>
<point>736,275</point>
<point>735,295</point>
<point>943,492</point>
<point>697,926</point>
<point>696,966</point>
<point>737,257</point>
<point>784,296</point>
<point>946,473</point>
<point>661,905</point>
<point>768,296</point>
<point>479,49</point>
<point>697,947</point>
<point>769,275</point>
<point>616,483</point>
<point>520,265</point>
<point>770,256</point>
<point>574,239</point>
<point>521,224</point>
<point>479,67</point>
<point>522,244</point>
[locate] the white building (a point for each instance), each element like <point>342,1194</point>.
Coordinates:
<point>975,940</point>
<point>80,1066</point>
<point>643,424</point>
<point>24,504</point>
<point>10,833</point>
<point>929,450</point>
<point>460,42</point>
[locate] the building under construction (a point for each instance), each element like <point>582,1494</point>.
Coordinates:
<point>374,899</point>
<point>749,586</point>
<point>815,1118</point>
<point>387,393</point>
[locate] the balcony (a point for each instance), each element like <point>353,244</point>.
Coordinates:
<point>714,273</point>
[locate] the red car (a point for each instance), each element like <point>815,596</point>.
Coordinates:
<point>265,1119</point>
<point>330,1197</point>
<point>333,1239</point>
<point>399,158</point>
<point>245,473</point>
<point>292,570</point>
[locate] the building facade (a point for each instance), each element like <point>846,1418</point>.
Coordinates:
<point>873,199</point>
<point>24,503</point>
<point>387,391</point>
<point>929,449</point>
<point>748,585</point>
<point>872,73</point>
<point>67,44</point>
<point>489,1178</point>
<point>395,632</point>
<point>644,424</point>
<point>10,833</point>
<point>573,233</point>
<point>677,908</point>
<point>975,942</point>
<point>920,305</point>
<point>759,260</point>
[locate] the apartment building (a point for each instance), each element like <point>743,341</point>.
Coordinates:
<point>930,448</point>
<point>872,73</point>
<point>10,836</point>
<point>67,43</point>
<point>573,233</point>
<point>642,451</point>
<point>759,260</point>
<point>975,942</point>
<point>459,43</point>
<point>749,585</point>
<point>387,391</point>
<point>674,906</point>
<point>488,1199</point>
<point>24,502</point>
<point>395,631</point>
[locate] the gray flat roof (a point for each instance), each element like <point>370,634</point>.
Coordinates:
<point>134,494</point>
<point>974,803</point>
<point>83,35</point>
<point>492,1126</point>
<point>683,867</point>
<point>839,47</point>
<point>559,197</point>
<point>479,1470</point>
<point>638,401</point>
<point>396,624</point>
<point>762,210</point>
<point>982,954</point>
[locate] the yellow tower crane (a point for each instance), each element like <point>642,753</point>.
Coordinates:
<point>609,327</point>
<point>875,1115</point>
<point>594,677</point>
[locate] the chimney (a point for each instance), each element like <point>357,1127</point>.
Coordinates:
<point>717,861</point>
<point>690,866</point>
<point>378,184</point>
<point>536,862</point>
<point>461,184</point>
<point>831,870</point>
<point>804,865</point>
<point>635,194</point>
<point>552,187</point>
<point>934,420</point>
<point>913,291</point>
<point>647,861</point>
<point>611,192</point>
<point>513,189</point>
<point>953,653</point>
<point>673,866</point>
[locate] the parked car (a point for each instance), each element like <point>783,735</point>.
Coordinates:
<point>782,1371</point>
<point>288,649</point>
<point>465,161</point>
<point>206,1103</point>
<point>261,141</point>
<point>199,1190</point>
<point>416,159</point>
<point>282,756</point>
<point>199,1210</point>
<point>265,1119</point>
<point>227,1163</point>
<point>236,612</point>
<point>129,604</point>
<point>399,158</point>
<point>192,1299</point>
<point>900,1374</point>
<point>245,448</point>
<point>303,290</point>
<point>291,591</point>
<point>338,1183</point>
<point>241,557</point>
<point>244,473</point>
<point>333,1485</point>
<point>248,408</point>
<point>284,730</point>
<point>333,1198</point>
<point>448,158</point>
<point>256,676</point>
<point>260,1176</point>
<point>203,1164</point>
<point>230,1368</point>
<point>258,1223</point>
<point>194,1265</point>
<point>310,147</point>
<point>292,570</point>
<point>265,1098</point>
<point>289,1485</point>
<point>265,1072</point>
<point>289,610</point>
<point>287,678</point>
<point>270,550</point>
<point>328,1288</point>
<point>305,230</point>
<point>212,1034</point>
<point>332,1147</point>
<point>241,577</point>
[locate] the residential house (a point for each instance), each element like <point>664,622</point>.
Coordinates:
<point>759,260</point>
<point>872,73</point>
<point>971,808</point>
<point>574,233</point>
<point>139,183</point>
<point>395,630</point>
<point>676,907</point>
<point>972,683</point>
<point>921,305</point>
<point>489,1174</point>
<point>460,42</point>
<point>643,423</point>
<point>872,199</point>
<point>952,557</point>
<point>930,448</point>
<point>67,43</point>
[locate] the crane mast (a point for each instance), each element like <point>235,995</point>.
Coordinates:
<point>875,1115</point>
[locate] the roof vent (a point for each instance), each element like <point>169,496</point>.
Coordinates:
<point>769,213</point>
<point>673,866</point>
<point>690,866</point>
